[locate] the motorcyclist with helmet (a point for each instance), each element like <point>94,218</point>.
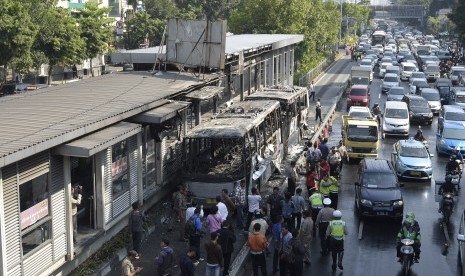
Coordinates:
<point>447,187</point>
<point>376,112</point>
<point>419,135</point>
<point>452,165</point>
<point>410,230</point>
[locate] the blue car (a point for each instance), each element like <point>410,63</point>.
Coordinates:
<point>411,159</point>
<point>451,136</point>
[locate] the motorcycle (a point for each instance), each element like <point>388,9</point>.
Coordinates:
<point>455,177</point>
<point>407,254</point>
<point>447,207</point>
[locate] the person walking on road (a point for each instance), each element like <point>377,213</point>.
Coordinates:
<point>165,259</point>
<point>292,177</point>
<point>324,186</point>
<point>228,202</point>
<point>127,266</point>
<point>257,243</point>
<point>276,232</point>
<point>318,111</point>
<point>288,207</point>
<point>186,263</point>
<point>240,204</point>
<point>336,230</point>
<point>299,206</point>
<point>226,240</point>
<point>297,267</point>
<point>196,235</point>
<point>222,208</point>
<point>316,203</point>
<point>333,191</point>
<point>286,237</point>
<point>306,236</point>
<point>322,222</point>
<point>312,91</point>
<point>179,206</point>
<point>253,202</point>
<point>273,205</point>
<point>214,256</point>
<point>137,226</point>
<point>190,211</point>
<point>214,220</point>
<point>260,220</point>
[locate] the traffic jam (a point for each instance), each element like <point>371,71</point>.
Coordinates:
<point>402,123</point>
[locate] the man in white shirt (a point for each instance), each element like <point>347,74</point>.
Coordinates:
<point>222,209</point>
<point>190,210</point>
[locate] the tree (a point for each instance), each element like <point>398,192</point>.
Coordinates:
<point>96,30</point>
<point>458,18</point>
<point>17,33</point>
<point>141,26</point>
<point>58,40</point>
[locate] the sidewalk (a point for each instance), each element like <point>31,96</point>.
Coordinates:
<point>327,88</point>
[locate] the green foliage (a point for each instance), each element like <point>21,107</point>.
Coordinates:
<point>95,29</point>
<point>17,33</point>
<point>161,9</point>
<point>141,26</point>
<point>458,18</point>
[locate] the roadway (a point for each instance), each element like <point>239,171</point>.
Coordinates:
<point>370,245</point>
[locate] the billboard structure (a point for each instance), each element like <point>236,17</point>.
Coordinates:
<point>196,43</point>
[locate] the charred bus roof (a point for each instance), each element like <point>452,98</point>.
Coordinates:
<point>280,93</point>
<point>235,121</point>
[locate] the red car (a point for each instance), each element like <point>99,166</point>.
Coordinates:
<point>359,95</point>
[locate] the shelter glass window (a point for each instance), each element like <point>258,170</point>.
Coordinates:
<point>120,168</point>
<point>148,159</point>
<point>34,217</point>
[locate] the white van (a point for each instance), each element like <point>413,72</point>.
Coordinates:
<point>396,119</point>
<point>406,69</point>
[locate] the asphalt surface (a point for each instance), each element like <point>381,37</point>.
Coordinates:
<point>370,245</point>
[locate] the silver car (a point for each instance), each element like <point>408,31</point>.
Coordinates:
<point>396,93</point>
<point>433,98</point>
<point>390,80</point>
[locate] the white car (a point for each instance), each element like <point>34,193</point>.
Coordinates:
<point>382,68</point>
<point>366,63</point>
<point>433,98</point>
<point>360,112</point>
<point>420,83</point>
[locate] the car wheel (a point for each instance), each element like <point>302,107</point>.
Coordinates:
<point>430,122</point>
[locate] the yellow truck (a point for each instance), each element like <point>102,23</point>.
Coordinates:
<point>361,136</point>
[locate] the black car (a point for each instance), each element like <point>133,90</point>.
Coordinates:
<point>419,110</point>
<point>377,192</point>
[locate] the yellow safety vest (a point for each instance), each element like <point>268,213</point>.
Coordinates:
<point>324,190</point>
<point>337,229</point>
<point>316,200</point>
<point>333,188</point>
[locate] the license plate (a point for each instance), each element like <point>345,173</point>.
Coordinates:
<point>356,103</point>
<point>382,213</point>
<point>414,173</point>
<point>211,201</point>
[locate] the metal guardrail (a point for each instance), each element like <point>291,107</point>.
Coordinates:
<point>312,74</point>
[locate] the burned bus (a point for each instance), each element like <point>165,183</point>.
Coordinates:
<point>241,143</point>
<point>294,103</point>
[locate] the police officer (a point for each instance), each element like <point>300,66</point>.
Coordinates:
<point>322,222</point>
<point>411,230</point>
<point>316,202</point>
<point>333,191</point>
<point>324,186</point>
<point>336,230</point>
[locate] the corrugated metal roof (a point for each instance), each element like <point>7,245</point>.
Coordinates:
<point>36,121</point>
<point>243,42</point>
<point>98,141</point>
<point>234,45</point>
<point>205,93</point>
<point>160,114</point>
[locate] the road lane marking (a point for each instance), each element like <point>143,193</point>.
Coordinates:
<point>379,95</point>
<point>360,230</point>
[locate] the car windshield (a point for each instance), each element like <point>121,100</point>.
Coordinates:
<point>360,114</point>
<point>460,99</point>
<point>391,79</point>
<point>397,91</point>
<point>366,62</point>
<point>377,180</point>
<point>418,75</point>
<point>453,133</point>
<point>409,68</point>
<point>455,116</point>
<point>418,103</point>
<point>413,152</point>
<point>396,113</point>
<point>431,96</point>
<point>358,92</point>
<point>362,133</point>
<point>432,68</point>
<point>458,72</point>
<point>419,83</point>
